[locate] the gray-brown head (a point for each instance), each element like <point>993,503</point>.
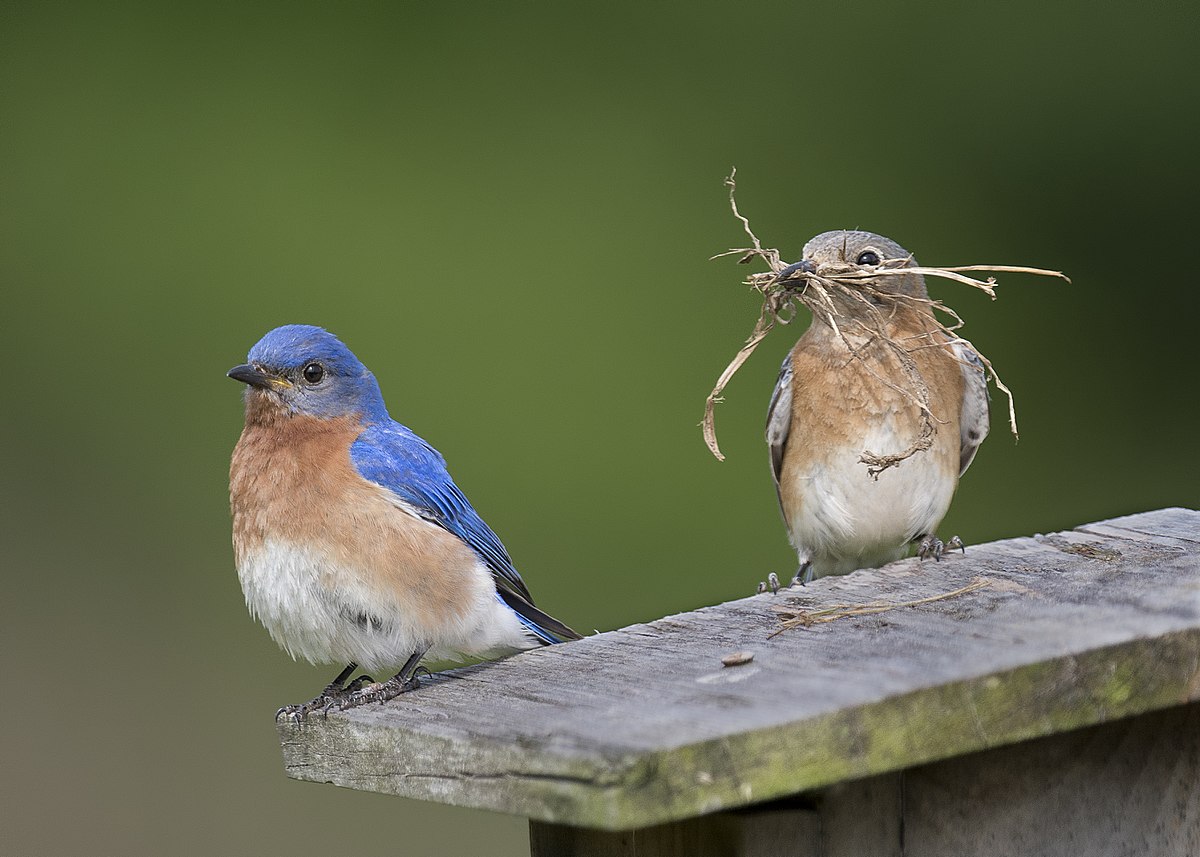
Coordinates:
<point>854,257</point>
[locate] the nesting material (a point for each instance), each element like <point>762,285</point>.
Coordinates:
<point>785,286</point>
<point>793,618</point>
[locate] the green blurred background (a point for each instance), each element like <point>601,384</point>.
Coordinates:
<point>507,210</point>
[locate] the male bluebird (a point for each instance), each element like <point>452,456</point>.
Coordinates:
<point>829,406</point>
<point>353,544</point>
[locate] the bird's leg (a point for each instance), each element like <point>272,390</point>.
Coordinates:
<point>931,546</point>
<point>401,682</point>
<point>804,574</point>
<point>334,690</point>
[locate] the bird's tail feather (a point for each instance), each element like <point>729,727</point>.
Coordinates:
<point>544,626</point>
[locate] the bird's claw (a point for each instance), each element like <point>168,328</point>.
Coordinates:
<point>932,546</point>
<point>292,712</point>
<point>299,713</point>
<point>804,575</point>
<point>772,584</point>
<point>323,702</point>
<point>359,683</point>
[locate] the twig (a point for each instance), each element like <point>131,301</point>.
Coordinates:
<point>761,328</point>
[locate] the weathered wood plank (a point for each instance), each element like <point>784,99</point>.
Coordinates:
<point>642,726</point>
<point>771,831</point>
<point>863,817</point>
<point>1117,789</point>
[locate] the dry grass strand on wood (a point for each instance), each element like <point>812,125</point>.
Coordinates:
<point>807,618</point>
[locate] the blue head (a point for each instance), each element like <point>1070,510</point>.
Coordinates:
<point>301,369</point>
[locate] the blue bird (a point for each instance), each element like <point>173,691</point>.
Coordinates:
<point>353,544</point>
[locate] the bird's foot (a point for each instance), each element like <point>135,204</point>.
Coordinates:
<point>323,701</point>
<point>299,713</point>
<point>374,691</point>
<point>804,574</point>
<point>932,546</point>
<point>772,584</point>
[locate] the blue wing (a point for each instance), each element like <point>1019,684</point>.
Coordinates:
<point>393,456</point>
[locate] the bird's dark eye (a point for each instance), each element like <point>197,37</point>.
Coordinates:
<point>313,373</point>
<point>870,257</point>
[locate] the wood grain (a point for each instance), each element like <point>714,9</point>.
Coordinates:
<point>1123,788</point>
<point>1129,787</point>
<point>643,726</point>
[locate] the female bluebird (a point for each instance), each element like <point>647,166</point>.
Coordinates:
<point>353,544</point>
<point>829,406</point>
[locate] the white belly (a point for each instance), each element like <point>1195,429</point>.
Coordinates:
<point>326,613</point>
<point>846,519</point>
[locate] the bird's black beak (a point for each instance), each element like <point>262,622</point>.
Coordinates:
<point>247,374</point>
<point>805,265</point>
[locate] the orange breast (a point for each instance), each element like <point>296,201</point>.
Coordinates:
<point>837,398</point>
<point>843,406</point>
<point>292,482</point>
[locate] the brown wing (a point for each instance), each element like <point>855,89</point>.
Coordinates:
<point>779,418</point>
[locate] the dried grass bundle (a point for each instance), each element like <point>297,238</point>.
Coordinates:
<point>826,294</point>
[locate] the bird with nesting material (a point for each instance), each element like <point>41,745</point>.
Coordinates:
<point>845,398</point>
